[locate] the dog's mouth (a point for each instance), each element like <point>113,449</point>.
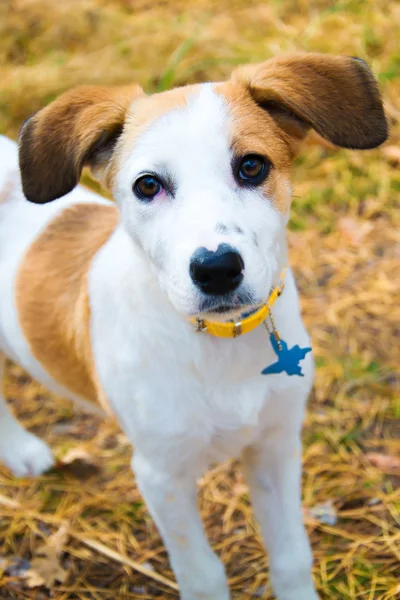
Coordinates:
<point>227,307</point>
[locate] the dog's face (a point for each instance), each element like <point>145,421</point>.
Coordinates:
<point>201,173</point>
<point>203,188</point>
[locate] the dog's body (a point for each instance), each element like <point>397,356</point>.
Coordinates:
<point>96,306</point>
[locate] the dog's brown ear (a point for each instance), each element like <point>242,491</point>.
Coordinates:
<point>335,95</point>
<point>80,128</point>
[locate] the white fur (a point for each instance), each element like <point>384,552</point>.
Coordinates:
<point>192,145</point>
<point>185,399</point>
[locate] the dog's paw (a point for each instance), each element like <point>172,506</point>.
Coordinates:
<point>25,454</point>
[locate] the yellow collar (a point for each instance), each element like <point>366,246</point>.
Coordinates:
<point>232,329</point>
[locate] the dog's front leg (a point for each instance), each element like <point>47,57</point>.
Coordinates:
<point>273,471</point>
<point>172,502</point>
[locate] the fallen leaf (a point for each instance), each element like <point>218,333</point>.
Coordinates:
<point>79,462</point>
<point>392,154</point>
<point>323,513</point>
<point>355,230</point>
<point>386,462</point>
<point>45,568</point>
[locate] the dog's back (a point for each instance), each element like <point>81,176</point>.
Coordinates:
<point>23,227</point>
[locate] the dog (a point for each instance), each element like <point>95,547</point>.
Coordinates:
<point>175,307</point>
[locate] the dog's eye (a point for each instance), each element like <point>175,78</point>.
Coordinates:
<point>147,187</point>
<point>252,169</point>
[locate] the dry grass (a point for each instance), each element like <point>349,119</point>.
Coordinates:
<point>345,249</point>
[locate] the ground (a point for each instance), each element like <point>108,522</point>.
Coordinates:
<point>83,531</point>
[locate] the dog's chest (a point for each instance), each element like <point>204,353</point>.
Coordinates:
<point>179,393</point>
<point>199,396</point>
<point>235,404</point>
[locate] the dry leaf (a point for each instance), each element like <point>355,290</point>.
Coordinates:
<point>386,462</point>
<point>79,462</point>
<point>79,454</point>
<point>46,569</point>
<point>355,230</point>
<point>392,154</point>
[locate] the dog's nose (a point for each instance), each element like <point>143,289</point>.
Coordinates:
<point>218,272</point>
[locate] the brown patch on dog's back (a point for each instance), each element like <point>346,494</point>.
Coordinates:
<point>52,295</point>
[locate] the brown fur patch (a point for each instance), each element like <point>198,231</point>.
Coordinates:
<point>254,131</point>
<point>79,128</point>
<point>274,103</point>
<point>335,95</point>
<point>52,295</point>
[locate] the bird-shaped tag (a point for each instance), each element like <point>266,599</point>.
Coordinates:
<point>288,360</point>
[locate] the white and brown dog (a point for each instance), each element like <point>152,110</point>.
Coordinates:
<point>101,301</point>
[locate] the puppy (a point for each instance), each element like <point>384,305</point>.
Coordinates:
<point>175,307</point>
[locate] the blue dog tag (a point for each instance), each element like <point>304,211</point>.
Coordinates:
<point>288,360</point>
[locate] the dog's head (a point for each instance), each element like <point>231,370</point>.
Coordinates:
<point>201,173</point>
